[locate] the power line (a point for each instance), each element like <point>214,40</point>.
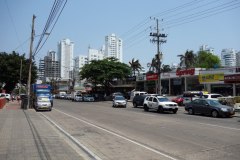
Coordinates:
<point>13,25</point>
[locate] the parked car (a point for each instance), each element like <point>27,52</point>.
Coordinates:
<point>160,103</point>
<point>209,107</point>
<point>88,98</point>
<point>190,96</point>
<point>138,100</point>
<point>119,101</point>
<point>115,94</point>
<point>178,100</point>
<point>69,96</point>
<point>135,93</point>
<point>8,96</point>
<point>78,98</point>
<point>213,96</point>
<point>42,103</point>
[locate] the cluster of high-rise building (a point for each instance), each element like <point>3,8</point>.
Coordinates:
<point>63,64</point>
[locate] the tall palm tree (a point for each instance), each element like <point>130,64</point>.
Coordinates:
<point>166,68</point>
<point>153,66</point>
<point>135,65</point>
<point>188,59</point>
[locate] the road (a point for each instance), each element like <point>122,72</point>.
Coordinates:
<point>132,133</point>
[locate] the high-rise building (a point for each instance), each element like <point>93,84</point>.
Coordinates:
<point>206,48</point>
<point>48,68</point>
<point>65,57</point>
<point>238,59</point>
<point>79,62</point>
<point>113,47</point>
<point>228,57</point>
<point>53,54</point>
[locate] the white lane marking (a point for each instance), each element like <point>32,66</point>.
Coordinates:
<point>119,136</point>
<point>146,114</point>
<point>220,126</point>
<point>75,140</point>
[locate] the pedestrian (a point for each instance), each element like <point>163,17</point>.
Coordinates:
<point>201,94</point>
<point>105,96</point>
<point>225,102</point>
<point>12,97</point>
<point>18,98</point>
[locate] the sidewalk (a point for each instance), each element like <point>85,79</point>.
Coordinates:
<point>25,134</point>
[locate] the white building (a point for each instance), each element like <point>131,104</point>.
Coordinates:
<point>65,56</point>
<point>53,54</point>
<point>238,59</point>
<point>228,57</point>
<point>79,62</point>
<point>175,65</point>
<point>113,46</point>
<point>206,48</point>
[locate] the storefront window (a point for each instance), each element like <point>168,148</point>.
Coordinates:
<point>140,86</point>
<point>165,86</point>
<point>193,84</point>
<point>177,86</point>
<point>223,89</point>
<point>238,89</point>
<point>151,86</point>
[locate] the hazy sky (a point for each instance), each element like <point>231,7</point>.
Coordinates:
<point>88,22</point>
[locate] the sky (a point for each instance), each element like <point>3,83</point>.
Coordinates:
<point>188,23</point>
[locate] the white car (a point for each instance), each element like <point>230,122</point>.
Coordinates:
<point>78,98</point>
<point>8,97</point>
<point>160,104</point>
<point>88,98</point>
<point>213,96</point>
<point>119,101</point>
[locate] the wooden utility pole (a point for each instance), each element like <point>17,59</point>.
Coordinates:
<point>159,54</point>
<point>20,78</point>
<point>30,63</point>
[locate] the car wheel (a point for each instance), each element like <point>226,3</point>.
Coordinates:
<point>50,109</point>
<point>174,111</point>
<point>181,104</point>
<point>160,109</point>
<point>214,113</point>
<point>125,106</point>
<point>134,105</point>
<point>146,108</point>
<point>190,111</point>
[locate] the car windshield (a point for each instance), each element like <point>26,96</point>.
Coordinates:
<point>45,92</point>
<point>78,96</point>
<point>118,94</point>
<point>119,98</point>
<point>164,100</point>
<point>212,102</point>
<point>88,96</point>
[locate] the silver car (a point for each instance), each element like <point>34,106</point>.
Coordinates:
<point>88,98</point>
<point>78,98</point>
<point>43,103</point>
<point>119,101</point>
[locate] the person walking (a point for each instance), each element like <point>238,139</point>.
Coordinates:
<point>18,98</point>
<point>12,97</point>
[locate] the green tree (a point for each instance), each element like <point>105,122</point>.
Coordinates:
<point>207,60</point>
<point>135,65</point>
<point>10,70</point>
<point>104,71</point>
<point>188,59</point>
<point>166,68</point>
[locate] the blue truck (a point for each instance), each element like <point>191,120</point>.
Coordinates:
<point>42,99</point>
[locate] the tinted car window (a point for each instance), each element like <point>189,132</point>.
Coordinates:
<point>196,101</point>
<point>150,99</point>
<point>155,100</point>
<point>212,102</point>
<point>147,98</point>
<point>119,98</point>
<point>215,96</point>
<point>205,96</point>
<point>203,102</point>
<point>164,100</point>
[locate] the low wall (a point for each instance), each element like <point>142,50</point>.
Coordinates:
<point>2,102</point>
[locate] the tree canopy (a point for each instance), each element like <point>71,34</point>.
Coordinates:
<point>207,60</point>
<point>187,59</point>
<point>104,71</point>
<point>135,65</point>
<point>10,70</point>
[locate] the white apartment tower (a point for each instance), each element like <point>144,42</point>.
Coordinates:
<point>113,46</point>
<point>238,59</point>
<point>65,56</point>
<point>52,54</point>
<point>206,48</point>
<point>228,57</point>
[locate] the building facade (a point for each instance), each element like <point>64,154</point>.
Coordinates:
<point>238,59</point>
<point>53,54</point>
<point>65,57</point>
<point>228,57</point>
<point>48,68</point>
<point>206,48</point>
<point>113,47</point>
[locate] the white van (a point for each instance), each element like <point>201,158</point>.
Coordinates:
<point>135,93</point>
<point>190,96</point>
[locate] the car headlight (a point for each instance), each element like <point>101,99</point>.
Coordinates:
<point>224,109</point>
<point>166,104</point>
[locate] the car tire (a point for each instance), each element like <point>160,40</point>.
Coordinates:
<point>181,104</point>
<point>214,113</point>
<point>160,109</point>
<point>146,108</point>
<point>134,105</point>
<point>50,109</point>
<point>125,106</point>
<point>174,111</point>
<point>190,111</point>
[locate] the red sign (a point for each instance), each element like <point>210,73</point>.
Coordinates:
<point>3,91</point>
<point>151,76</point>
<point>232,78</point>
<point>185,72</point>
<point>42,86</point>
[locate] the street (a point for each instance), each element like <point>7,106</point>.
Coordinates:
<point>132,133</point>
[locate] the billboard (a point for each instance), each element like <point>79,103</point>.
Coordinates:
<point>211,77</point>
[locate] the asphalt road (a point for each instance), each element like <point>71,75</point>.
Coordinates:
<point>132,133</point>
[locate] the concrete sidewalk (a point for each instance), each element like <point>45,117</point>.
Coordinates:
<point>25,134</point>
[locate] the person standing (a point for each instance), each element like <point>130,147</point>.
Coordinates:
<point>201,94</point>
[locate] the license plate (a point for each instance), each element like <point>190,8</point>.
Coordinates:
<point>231,112</point>
<point>120,104</point>
<point>44,107</point>
<point>173,108</point>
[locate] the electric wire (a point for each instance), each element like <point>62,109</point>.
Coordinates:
<point>13,25</point>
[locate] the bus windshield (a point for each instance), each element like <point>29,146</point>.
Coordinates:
<point>45,92</point>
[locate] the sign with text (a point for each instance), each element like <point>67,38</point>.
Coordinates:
<point>211,77</point>
<point>185,72</point>
<point>141,78</point>
<point>152,76</point>
<point>232,78</point>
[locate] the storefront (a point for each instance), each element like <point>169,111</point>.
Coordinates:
<point>234,81</point>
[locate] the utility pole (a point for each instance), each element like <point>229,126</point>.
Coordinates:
<point>30,63</point>
<point>159,54</point>
<point>20,78</point>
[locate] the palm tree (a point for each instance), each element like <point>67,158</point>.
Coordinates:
<point>188,59</point>
<point>166,68</point>
<point>153,66</point>
<point>135,65</point>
